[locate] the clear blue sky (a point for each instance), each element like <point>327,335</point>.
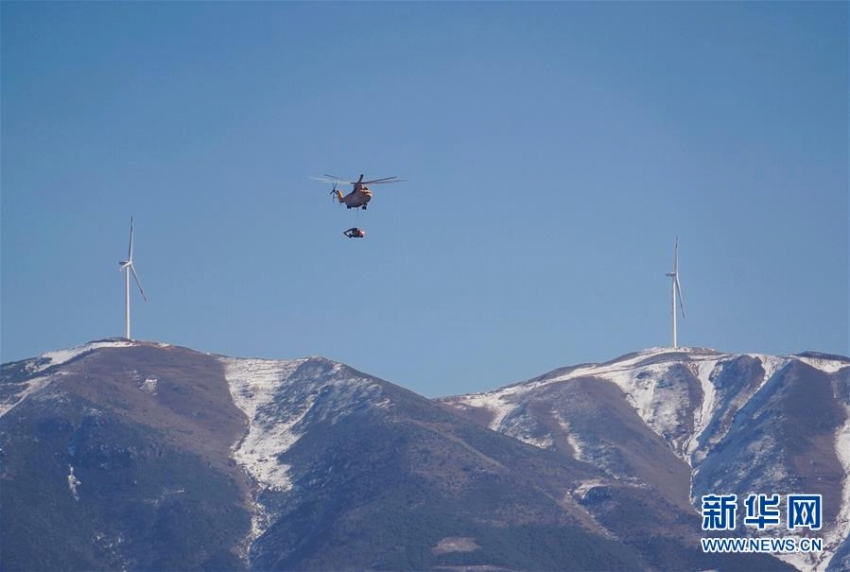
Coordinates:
<point>553,152</point>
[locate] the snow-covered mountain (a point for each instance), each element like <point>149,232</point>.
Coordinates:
<point>141,456</point>
<point>693,422</point>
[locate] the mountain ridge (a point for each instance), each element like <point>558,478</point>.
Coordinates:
<point>320,466</point>
<point>699,401</point>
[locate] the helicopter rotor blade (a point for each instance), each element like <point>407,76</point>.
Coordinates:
<point>334,179</point>
<point>329,179</point>
<point>383,181</point>
<point>338,180</point>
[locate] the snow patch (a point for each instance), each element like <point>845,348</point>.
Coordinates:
<point>455,544</point>
<point>253,384</point>
<point>73,483</point>
<point>30,387</point>
<point>707,372</point>
<point>149,385</point>
<point>63,356</point>
<point>824,365</point>
<point>495,402</point>
<point>655,393</point>
<point>657,405</point>
<point>580,491</point>
<point>280,398</point>
<point>770,364</point>
<point>259,524</point>
<point>544,442</point>
<point>502,401</point>
<point>702,416</point>
<point>597,370</point>
<point>45,361</point>
<point>572,438</point>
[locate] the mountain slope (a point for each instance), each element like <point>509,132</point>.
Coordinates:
<point>698,421</point>
<point>372,475</point>
<point>115,457</point>
<point>145,456</point>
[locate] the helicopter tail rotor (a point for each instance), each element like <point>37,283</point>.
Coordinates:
<point>336,195</point>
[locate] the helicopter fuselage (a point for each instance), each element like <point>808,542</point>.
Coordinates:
<point>357,198</point>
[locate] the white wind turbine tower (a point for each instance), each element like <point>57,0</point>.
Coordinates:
<point>127,267</point>
<point>676,290</point>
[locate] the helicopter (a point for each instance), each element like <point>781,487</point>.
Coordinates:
<point>360,195</point>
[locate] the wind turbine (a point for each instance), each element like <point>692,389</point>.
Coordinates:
<point>676,290</point>
<point>127,267</point>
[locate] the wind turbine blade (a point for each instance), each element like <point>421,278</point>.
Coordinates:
<point>676,256</point>
<point>139,284</point>
<point>130,250</point>
<point>679,293</point>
